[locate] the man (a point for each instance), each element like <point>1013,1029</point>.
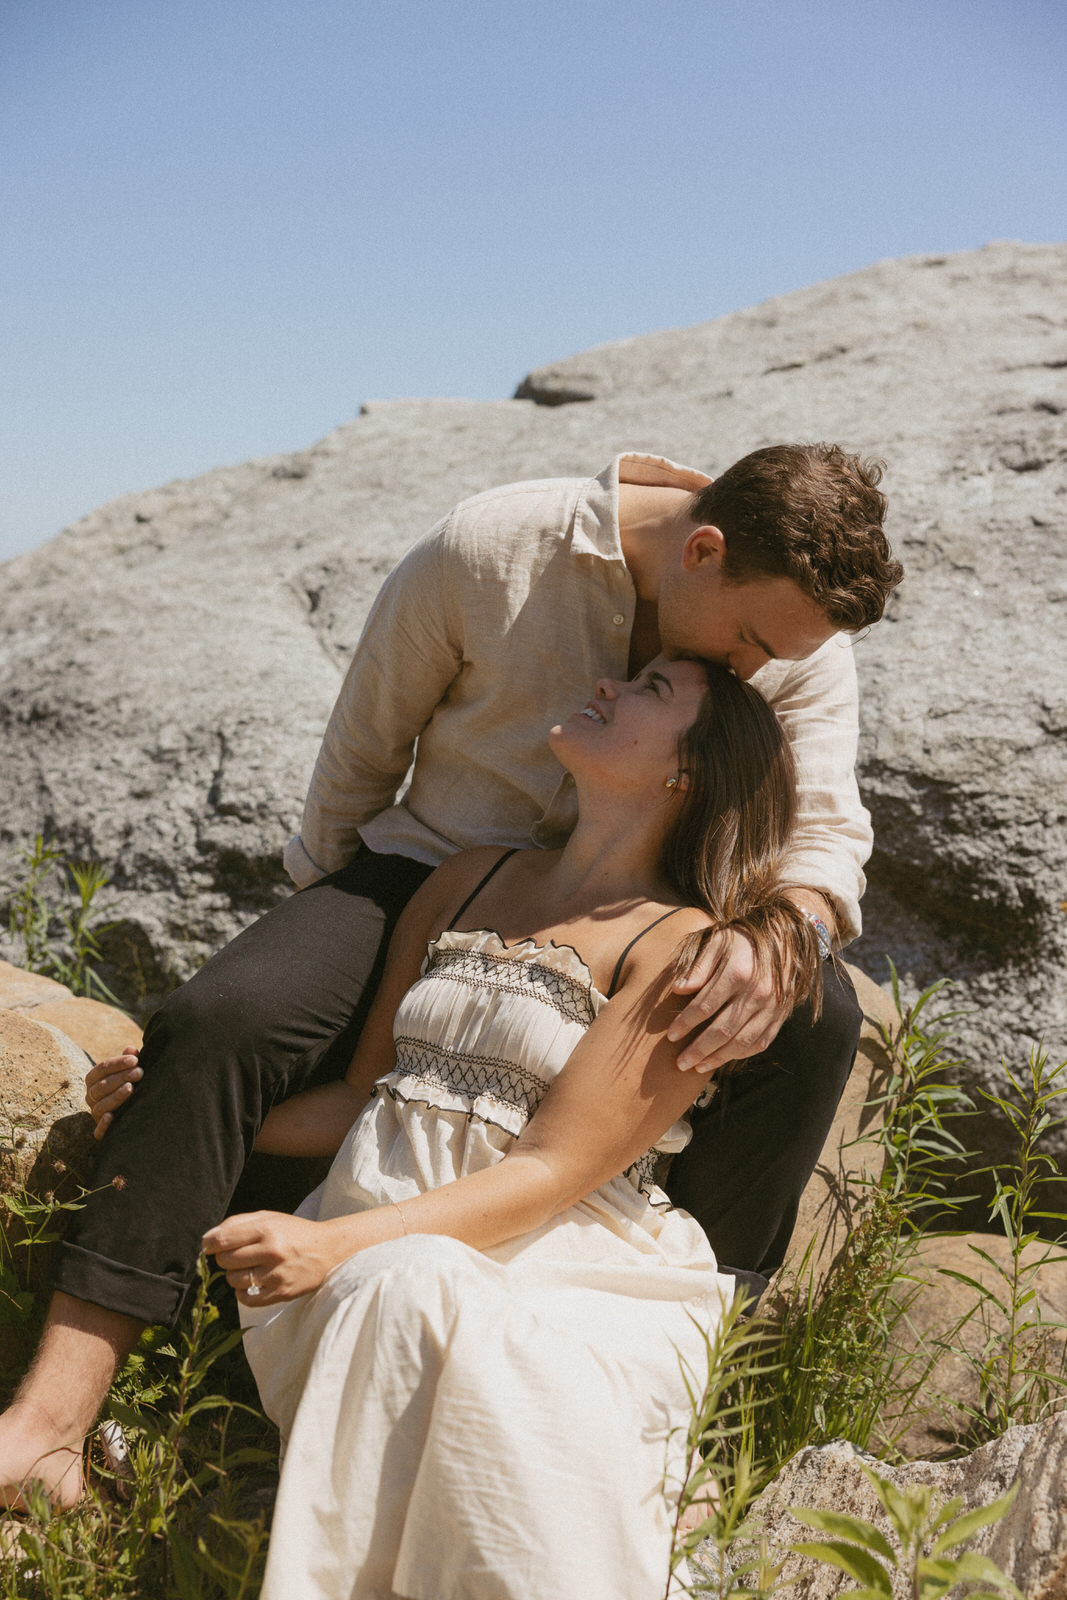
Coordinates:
<point>493,628</point>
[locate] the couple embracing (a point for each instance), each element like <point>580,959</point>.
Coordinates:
<point>574,1038</point>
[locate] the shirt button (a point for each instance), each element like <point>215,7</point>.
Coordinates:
<point>618,619</point>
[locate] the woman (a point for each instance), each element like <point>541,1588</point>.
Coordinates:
<point>472,1335</point>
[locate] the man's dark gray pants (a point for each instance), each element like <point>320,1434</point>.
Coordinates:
<point>281,1008</point>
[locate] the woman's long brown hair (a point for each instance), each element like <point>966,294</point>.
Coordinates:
<point>726,845</point>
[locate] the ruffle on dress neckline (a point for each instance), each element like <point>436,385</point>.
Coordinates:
<point>562,958</point>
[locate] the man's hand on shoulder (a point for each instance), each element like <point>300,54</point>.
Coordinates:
<point>737,1008</point>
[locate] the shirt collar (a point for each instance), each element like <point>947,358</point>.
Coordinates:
<point>597,522</point>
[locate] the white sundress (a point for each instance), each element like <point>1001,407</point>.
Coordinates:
<point>485,1425</point>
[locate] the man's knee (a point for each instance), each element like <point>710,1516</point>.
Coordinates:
<point>202,1013</point>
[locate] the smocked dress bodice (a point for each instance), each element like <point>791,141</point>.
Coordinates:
<point>480,1037</point>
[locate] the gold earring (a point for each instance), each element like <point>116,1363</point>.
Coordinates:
<point>672,783</point>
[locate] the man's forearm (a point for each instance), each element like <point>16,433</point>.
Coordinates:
<point>818,904</point>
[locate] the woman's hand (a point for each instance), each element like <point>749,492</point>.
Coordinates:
<point>283,1256</point>
<point>109,1085</point>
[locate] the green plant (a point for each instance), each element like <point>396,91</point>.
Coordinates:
<point>919,1102</point>
<point>834,1370</point>
<point>28,1225</point>
<point>720,1472</point>
<point>59,937</point>
<point>1022,1376</point>
<point>831,1371</point>
<point>927,1532</point>
<point>180,1528</point>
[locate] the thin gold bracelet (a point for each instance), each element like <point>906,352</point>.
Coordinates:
<point>400,1214</point>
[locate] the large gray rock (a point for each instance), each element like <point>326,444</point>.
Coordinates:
<point>169,662</point>
<point>1029,1543</point>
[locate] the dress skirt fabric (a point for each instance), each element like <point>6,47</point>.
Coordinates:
<point>501,1425</point>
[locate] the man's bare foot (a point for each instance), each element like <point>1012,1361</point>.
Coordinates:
<point>34,1451</point>
<point>42,1431</point>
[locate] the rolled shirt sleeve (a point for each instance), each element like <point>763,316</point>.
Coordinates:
<point>407,656</point>
<point>817,703</point>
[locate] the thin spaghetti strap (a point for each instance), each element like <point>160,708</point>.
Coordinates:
<point>633,941</point>
<point>480,885</point>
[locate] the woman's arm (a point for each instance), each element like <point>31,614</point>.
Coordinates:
<point>618,1093</point>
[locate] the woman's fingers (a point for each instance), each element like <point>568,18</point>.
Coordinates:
<point>113,1066</point>
<point>108,1085</point>
<point>114,1083</point>
<point>112,1063</point>
<point>249,1255</point>
<point>236,1233</point>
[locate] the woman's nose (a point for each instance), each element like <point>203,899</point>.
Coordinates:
<point>607,689</point>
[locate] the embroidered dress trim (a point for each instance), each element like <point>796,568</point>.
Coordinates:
<point>643,1172</point>
<point>476,1077</point>
<point>483,969</point>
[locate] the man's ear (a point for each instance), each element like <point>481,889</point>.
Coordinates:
<point>705,544</point>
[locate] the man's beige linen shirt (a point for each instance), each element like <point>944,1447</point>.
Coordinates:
<point>493,628</point>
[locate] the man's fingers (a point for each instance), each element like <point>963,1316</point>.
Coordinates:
<point>729,1000</point>
<point>735,1035</point>
<point>706,968</point>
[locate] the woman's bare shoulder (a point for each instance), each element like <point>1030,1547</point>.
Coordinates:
<point>654,956</point>
<point>446,887</point>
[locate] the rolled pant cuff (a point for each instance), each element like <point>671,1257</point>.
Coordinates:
<point>118,1287</point>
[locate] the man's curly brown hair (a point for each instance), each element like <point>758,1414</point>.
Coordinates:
<point>811,513</point>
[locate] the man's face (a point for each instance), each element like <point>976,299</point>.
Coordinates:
<point>739,625</point>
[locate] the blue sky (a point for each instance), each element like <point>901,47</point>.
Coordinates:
<point>227,224</point>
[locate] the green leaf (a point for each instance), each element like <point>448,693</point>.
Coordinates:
<point>969,1524</point>
<point>849,1558</point>
<point>966,1568</point>
<point>896,1506</point>
<point>843,1527</point>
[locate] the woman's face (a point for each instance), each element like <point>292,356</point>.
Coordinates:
<point>629,732</point>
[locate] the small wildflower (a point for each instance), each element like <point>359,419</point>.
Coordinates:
<point>59,1166</point>
<point>118,1181</point>
<point>48,1196</point>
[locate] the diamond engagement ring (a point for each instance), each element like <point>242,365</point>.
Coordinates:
<point>253,1287</point>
